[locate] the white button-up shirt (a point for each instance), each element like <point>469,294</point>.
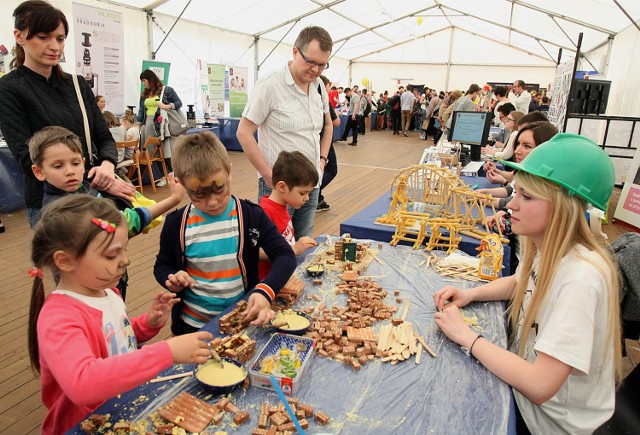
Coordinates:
<point>287,118</point>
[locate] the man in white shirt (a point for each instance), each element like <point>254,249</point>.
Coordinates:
<point>291,107</point>
<point>520,97</point>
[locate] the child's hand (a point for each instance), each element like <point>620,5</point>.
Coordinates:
<point>177,190</point>
<point>190,348</point>
<point>303,244</point>
<point>179,280</point>
<point>258,310</point>
<point>161,308</point>
<point>450,321</point>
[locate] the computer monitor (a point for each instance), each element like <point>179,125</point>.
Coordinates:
<point>470,128</point>
<point>589,97</point>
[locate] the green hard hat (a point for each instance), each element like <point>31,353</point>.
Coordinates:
<point>575,163</point>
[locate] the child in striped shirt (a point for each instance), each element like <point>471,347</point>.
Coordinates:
<point>209,249</point>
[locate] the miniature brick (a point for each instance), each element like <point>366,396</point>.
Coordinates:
<point>217,419</point>
<point>399,300</point>
<point>259,431</point>
<point>322,418</point>
<point>231,408</point>
<point>98,419</point>
<point>222,403</point>
<point>272,430</point>
<point>278,419</point>
<point>317,281</point>
<point>263,420</point>
<point>287,427</point>
<point>165,429</point>
<point>396,293</point>
<point>300,414</point>
<point>308,409</point>
<point>356,365</point>
<point>241,417</point>
<point>304,424</point>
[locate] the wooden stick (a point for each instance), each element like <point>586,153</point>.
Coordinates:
<point>426,346</point>
<point>170,377</point>
<point>419,353</point>
<point>406,310</point>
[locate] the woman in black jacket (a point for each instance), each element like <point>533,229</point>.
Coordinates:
<point>37,94</point>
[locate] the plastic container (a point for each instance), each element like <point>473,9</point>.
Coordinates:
<point>289,385</point>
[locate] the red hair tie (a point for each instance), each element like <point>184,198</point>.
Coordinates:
<point>35,272</point>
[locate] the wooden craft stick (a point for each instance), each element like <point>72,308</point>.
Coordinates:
<point>406,310</point>
<point>419,353</point>
<point>426,346</point>
<point>170,377</point>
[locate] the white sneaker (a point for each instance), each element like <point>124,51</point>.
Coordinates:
<point>161,182</point>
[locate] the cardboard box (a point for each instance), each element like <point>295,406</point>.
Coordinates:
<point>302,345</point>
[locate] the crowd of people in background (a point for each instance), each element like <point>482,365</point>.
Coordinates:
<point>428,111</point>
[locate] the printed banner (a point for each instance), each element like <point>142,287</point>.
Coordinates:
<point>99,36</point>
<point>237,90</point>
<point>203,104</point>
<point>559,93</point>
<point>628,209</point>
<point>160,68</point>
<point>216,88</point>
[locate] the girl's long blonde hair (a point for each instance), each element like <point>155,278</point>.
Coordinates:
<point>566,228</point>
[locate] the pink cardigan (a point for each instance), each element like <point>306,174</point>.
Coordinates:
<point>77,373</point>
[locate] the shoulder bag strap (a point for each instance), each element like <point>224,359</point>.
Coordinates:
<point>87,135</point>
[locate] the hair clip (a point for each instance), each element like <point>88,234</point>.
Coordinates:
<point>105,225</point>
<point>35,272</point>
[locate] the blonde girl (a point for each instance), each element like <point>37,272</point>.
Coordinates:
<point>564,355</point>
<point>81,340</point>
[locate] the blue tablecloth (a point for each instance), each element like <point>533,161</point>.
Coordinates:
<point>228,130</point>
<point>452,393</point>
<point>215,129</point>
<point>362,225</point>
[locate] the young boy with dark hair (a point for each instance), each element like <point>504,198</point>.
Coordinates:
<point>209,249</point>
<point>294,177</point>
<point>58,161</point>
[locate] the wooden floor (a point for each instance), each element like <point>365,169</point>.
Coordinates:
<point>364,173</point>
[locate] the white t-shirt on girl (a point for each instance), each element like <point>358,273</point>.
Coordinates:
<point>116,326</point>
<point>571,327</point>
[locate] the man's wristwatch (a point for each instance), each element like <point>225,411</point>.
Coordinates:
<point>326,160</point>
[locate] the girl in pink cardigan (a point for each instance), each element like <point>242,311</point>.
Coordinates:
<point>81,339</point>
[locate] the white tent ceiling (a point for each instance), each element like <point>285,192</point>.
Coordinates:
<point>367,30</point>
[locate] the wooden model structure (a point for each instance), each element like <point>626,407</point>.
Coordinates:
<point>288,295</point>
<point>347,254</point>
<point>237,346</point>
<point>437,201</point>
<point>233,322</point>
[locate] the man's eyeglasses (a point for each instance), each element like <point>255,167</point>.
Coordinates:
<point>311,63</point>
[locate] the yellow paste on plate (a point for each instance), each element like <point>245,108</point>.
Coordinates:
<point>294,321</point>
<point>212,374</point>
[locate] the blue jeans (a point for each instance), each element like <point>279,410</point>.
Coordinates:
<point>417,122</point>
<point>304,218</point>
<point>33,216</point>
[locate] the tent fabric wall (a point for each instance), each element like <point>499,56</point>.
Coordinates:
<point>624,73</point>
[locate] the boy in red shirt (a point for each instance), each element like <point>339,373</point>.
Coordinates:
<point>294,177</point>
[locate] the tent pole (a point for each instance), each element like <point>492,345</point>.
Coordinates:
<point>150,54</point>
<point>627,14</point>
<point>256,58</point>
<point>446,81</point>
<point>573,79</point>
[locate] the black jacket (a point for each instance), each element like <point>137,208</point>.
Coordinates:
<point>29,102</point>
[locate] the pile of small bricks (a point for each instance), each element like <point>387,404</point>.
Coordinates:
<point>237,346</point>
<point>274,420</point>
<point>232,322</point>
<point>345,333</point>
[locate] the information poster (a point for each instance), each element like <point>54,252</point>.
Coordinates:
<point>238,78</point>
<point>559,93</point>
<point>202,102</point>
<point>160,68</point>
<point>99,41</point>
<point>628,209</point>
<point>216,88</point>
